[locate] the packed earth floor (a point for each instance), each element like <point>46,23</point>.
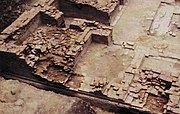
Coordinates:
<point>90,57</point>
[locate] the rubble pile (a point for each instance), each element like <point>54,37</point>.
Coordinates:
<point>160,80</point>
<point>53,16</point>
<point>98,84</point>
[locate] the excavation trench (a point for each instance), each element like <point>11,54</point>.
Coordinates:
<point>39,48</point>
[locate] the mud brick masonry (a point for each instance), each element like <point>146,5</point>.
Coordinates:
<point>38,39</point>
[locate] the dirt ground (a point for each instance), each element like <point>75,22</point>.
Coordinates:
<point>135,20</point>
<point>11,10</point>
<point>20,98</point>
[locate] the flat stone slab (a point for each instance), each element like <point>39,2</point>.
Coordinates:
<point>162,19</point>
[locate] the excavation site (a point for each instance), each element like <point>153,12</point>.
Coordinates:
<point>89,56</point>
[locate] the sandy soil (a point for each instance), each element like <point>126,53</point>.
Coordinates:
<point>103,61</point>
<point>20,98</point>
<point>135,20</point>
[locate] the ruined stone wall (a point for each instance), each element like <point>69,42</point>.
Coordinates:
<point>71,9</point>
<point>29,29</point>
